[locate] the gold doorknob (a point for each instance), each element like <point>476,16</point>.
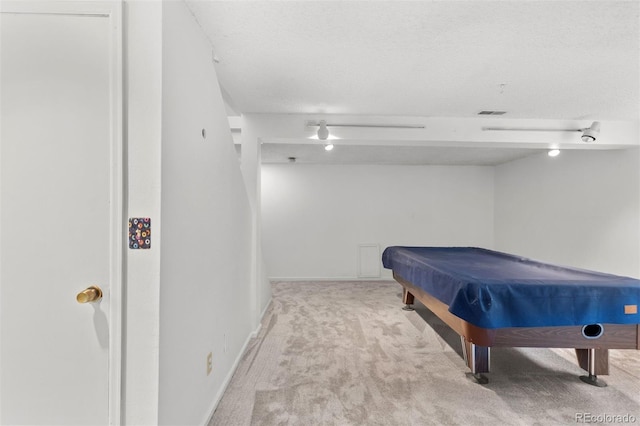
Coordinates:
<point>90,294</point>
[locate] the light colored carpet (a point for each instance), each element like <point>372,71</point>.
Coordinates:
<point>345,353</point>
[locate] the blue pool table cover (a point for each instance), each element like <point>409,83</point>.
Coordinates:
<point>491,289</point>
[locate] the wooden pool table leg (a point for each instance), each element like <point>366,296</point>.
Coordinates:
<point>478,358</point>
<point>407,299</point>
<point>595,361</point>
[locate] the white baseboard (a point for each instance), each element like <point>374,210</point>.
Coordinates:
<point>330,279</point>
<point>231,372</point>
<point>227,380</point>
<point>262,314</point>
<point>254,333</point>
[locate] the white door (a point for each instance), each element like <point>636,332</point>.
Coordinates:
<point>59,219</point>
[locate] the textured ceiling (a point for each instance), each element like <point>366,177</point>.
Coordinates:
<point>556,59</point>
<point>570,60</point>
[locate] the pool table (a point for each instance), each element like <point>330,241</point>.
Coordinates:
<point>494,299</point>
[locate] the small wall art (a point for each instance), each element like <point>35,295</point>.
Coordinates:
<point>139,233</point>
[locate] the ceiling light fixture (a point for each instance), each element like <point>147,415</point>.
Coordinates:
<point>323,132</point>
<point>589,134</point>
<point>323,129</point>
<point>323,135</point>
<point>554,152</point>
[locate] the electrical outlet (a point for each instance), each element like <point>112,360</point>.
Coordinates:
<point>209,363</point>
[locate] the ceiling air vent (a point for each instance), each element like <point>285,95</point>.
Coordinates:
<point>492,112</point>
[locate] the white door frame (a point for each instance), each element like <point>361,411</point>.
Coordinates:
<point>111,10</point>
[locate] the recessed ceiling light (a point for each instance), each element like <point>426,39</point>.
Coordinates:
<point>553,152</point>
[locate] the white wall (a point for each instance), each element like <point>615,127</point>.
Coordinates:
<point>250,166</point>
<point>206,230</point>
<point>143,121</point>
<point>314,217</point>
<point>580,209</point>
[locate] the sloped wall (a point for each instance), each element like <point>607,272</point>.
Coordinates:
<point>206,230</point>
